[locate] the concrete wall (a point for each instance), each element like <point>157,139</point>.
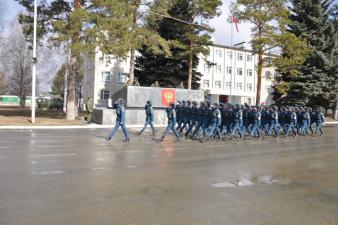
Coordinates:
<point>137,96</point>
<point>133,116</point>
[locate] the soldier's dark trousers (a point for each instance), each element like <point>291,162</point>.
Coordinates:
<point>115,129</point>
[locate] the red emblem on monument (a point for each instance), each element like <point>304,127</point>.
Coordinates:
<point>168,95</point>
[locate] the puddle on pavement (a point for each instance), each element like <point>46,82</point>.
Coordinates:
<point>223,185</point>
<point>246,182</point>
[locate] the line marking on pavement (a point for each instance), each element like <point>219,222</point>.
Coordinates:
<point>48,172</point>
<point>131,167</point>
<point>47,141</point>
<point>5,147</point>
<point>102,168</point>
<point>131,151</point>
<point>56,155</point>
<point>55,146</point>
<point>45,161</point>
<point>213,146</point>
<point>166,149</point>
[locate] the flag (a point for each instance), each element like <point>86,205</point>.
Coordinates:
<point>234,20</point>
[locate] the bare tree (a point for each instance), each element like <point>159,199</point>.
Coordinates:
<point>3,84</point>
<point>17,58</point>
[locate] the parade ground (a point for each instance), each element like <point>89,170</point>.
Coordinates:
<point>76,177</point>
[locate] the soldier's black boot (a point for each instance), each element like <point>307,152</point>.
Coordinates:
<point>161,138</point>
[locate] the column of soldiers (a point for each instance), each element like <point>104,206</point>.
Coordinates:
<point>206,121</point>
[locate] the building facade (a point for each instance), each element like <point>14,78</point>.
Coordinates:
<point>229,74</point>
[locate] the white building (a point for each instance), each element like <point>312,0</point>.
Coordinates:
<point>228,73</point>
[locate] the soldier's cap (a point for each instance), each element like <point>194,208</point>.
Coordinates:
<point>172,104</point>
<point>194,102</point>
<point>149,102</point>
<point>183,101</point>
<point>221,105</point>
<point>189,102</point>
<point>202,103</point>
<point>120,101</point>
<point>216,104</point>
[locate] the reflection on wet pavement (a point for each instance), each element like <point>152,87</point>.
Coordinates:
<point>68,177</point>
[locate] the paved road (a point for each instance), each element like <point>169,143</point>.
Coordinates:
<point>76,177</point>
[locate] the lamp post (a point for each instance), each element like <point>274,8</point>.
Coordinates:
<point>34,61</point>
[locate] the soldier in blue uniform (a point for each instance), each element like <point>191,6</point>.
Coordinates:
<point>181,115</point>
<point>186,117</point>
<point>193,117</point>
<point>273,121</point>
<point>200,117</point>
<point>149,117</point>
<point>238,122</point>
<point>256,122</point>
<point>305,117</point>
<point>319,120</point>
<point>171,114</point>
<point>214,122</point>
<point>120,120</point>
<point>292,122</point>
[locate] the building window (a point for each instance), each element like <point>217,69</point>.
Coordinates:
<point>239,71</point>
<point>239,86</point>
<point>229,54</point>
<point>249,58</point>
<point>122,77</point>
<point>228,85</point>
<point>106,76</point>
<point>229,70</point>
<point>219,69</point>
<point>219,53</point>
<point>249,72</point>
<point>218,84</point>
<point>249,101</point>
<point>249,87</point>
<point>206,83</point>
<point>240,56</point>
<point>104,95</point>
<point>206,68</point>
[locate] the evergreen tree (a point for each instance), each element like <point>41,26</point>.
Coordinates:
<point>58,82</point>
<point>316,85</point>
<point>268,30</point>
<point>187,41</point>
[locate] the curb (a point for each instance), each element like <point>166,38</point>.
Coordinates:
<point>90,126</point>
<point>94,126</point>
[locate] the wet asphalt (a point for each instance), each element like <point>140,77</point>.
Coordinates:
<point>76,177</point>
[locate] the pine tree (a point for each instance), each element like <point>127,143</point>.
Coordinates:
<point>187,41</point>
<point>316,85</point>
<point>269,20</point>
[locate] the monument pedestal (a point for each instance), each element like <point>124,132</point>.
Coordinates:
<point>135,99</point>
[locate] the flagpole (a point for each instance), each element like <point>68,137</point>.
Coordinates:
<point>34,61</point>
<point>231,38</point>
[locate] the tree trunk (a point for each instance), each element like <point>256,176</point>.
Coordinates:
<point>190,65</point>
<point>335,112</point>
<point>132,67</point>
<point>136,4</point>
<point>71,103</point>
<point>71,106</point>
<point>22,102</point>
<point>259,76</point>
